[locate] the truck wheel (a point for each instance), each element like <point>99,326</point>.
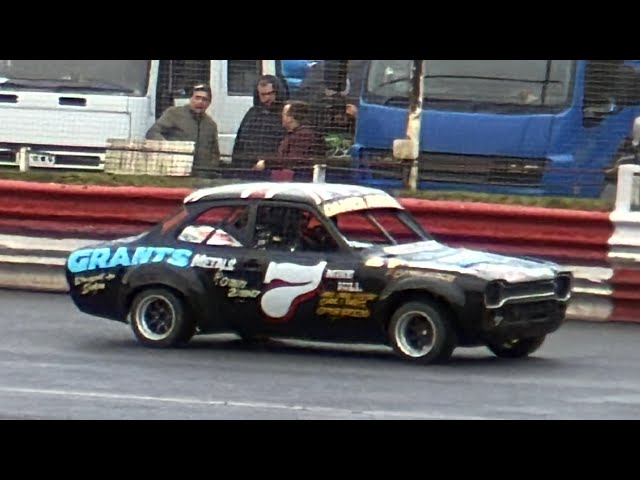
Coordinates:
<point>159,319</point>
<point>517,348</point>
<point>421,332</point>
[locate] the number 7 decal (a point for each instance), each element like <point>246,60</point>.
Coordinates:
<point>287,286</point>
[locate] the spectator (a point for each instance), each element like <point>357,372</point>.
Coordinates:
<point>333,88</point>
<point>261,130</point>
<point>301,141</point>
<point>191,123</point>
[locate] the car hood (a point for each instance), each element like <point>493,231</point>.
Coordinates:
<point>433,255</point>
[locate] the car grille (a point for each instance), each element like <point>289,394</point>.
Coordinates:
<point>500,293</point>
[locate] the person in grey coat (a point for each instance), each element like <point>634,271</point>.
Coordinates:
<point>190,123</point>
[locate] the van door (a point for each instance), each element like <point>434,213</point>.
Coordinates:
<point>233,83</point>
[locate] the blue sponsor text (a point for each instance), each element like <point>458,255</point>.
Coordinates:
<point>105,258</point>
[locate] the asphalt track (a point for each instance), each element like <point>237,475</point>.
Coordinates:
<point>57,363</point>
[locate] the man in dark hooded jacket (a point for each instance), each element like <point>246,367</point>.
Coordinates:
<point>332,88</point>
<point>261,130</point>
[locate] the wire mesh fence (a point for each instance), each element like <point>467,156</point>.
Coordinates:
<point>538,127</point>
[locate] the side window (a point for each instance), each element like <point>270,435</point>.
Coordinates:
<point>291,229</point>
<point>218,226</point>
<point>242,76</point>
<point>356,228</point>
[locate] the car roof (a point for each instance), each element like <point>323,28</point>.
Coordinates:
<point>332,198</point>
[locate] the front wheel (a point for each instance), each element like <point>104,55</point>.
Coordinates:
<point>159,319</point>
<point>422,332</point>
<point>517,348</point>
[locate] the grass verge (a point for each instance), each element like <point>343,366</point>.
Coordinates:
<point>100,178</point>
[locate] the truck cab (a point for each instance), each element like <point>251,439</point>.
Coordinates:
<point>62,113</point>
<point>538,127</point>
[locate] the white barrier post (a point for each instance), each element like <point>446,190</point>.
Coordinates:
<point>628,192</point>
<point>319,173</point>
<point>23,159</point>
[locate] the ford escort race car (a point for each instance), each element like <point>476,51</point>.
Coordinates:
<point>321,262</point>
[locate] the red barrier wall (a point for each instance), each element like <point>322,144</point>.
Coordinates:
<point>579,237</point>
<point>68,211</point>
<point>626,294</point>
<point>566,236</point>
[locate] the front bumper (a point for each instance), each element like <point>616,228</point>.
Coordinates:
<point>478,325</point>
<point>520,320</point>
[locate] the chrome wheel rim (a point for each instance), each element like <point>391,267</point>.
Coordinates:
<point>415,333</point>
<point>155,317</point>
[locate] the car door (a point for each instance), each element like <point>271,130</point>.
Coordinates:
<point>218,236</point>
<point>293,261</point>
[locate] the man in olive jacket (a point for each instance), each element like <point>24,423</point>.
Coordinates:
<point>190,123</point>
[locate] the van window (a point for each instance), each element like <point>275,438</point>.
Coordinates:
<point>242,76</point>
<point>506,82</point>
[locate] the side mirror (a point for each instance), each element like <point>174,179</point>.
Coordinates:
<point>602,109</point>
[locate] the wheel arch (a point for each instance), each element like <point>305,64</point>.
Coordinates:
<point>184,284</point>
<point>447,296</point>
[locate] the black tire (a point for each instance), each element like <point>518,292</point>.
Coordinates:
<point>518,348</point>
<point>173,328</point>
<point>435,327</point>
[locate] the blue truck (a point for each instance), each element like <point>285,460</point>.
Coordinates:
<point>294,71</point>
<point>532,127</point>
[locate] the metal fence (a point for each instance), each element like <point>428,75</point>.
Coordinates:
<point>536,127</point>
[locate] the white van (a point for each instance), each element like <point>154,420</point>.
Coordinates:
<point>65,111</point>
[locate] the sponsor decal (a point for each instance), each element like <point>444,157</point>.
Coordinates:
<point>106,258</point>
<point>426,274</point>
<point>94,283</point>
<point>214,263</point>
<point>365,202</point>
<point>339,274</point>
<point>237,288</point>
<point>348,287</point>
<point>345,304</point>
<point>287,285</point>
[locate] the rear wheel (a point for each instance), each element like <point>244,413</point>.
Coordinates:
<point>160,319</point>
<point>421,332</point>
<point>517,348</point>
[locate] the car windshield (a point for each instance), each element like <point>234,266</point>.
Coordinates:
<point>505,82</point>
<point>379,227</point>
<point>107,76</point>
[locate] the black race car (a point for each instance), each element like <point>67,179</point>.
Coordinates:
<point>322,262</point>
